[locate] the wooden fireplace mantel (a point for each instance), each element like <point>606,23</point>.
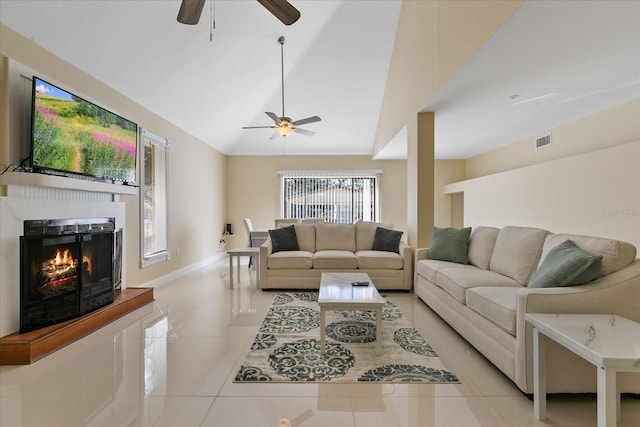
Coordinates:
<point>24,349</point>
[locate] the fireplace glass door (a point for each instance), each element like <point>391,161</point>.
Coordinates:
<point>51,291</point>
<point>96,271</point>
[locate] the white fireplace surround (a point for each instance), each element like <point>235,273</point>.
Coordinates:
<point>35,196</point>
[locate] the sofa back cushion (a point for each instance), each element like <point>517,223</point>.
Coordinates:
<point>366,232</point>
<point>306,237</point>
<point>481,246</point>
<point>616,254</point>
<point>517,252</point>
<point>335,237</point>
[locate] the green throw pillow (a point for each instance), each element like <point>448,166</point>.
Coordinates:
<point>284,239</point>
<point>450,244</point>
<point>566,265</point>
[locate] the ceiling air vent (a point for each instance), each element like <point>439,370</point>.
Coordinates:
<point>543,141</point>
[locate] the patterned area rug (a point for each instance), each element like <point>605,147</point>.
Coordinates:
<point>287,346</point>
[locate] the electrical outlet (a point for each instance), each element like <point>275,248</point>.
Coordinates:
<point>178,252</point>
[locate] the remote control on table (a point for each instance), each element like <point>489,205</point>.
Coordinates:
<point>359,283</point>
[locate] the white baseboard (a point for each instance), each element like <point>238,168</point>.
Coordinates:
<point>182,271</point>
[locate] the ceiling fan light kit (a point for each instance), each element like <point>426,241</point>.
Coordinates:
<point>283,125</point>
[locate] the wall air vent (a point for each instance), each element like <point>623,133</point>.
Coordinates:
<point>543,141</point>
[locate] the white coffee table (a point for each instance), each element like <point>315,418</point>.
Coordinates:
<point>610,342</point>
<point>337,293</point>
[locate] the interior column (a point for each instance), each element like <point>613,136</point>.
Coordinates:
<point>420,180</point>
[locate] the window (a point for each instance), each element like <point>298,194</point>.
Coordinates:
<point>153,199</point>
<point>333,196</point>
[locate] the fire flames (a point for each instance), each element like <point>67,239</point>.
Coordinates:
<point>63,265</point>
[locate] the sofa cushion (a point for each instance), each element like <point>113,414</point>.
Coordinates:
<point>497,305</point>
<point>379,260</point>
<point>517,252</point>
<point>288,260</point>
<point>335,259</point>
<point>616,254</point>
<point>306,234</point>
<point>284,239</point>
<point>365,233</point>
<point>428,268</point>
<point>450,244</point>
<point>456,281</point>
<point>331,236</point>
<point>386,240</point>
<point>566,265</point>
<point>481,245</point>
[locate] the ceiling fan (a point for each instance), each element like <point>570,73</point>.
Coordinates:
<point>190,11</point>
<point>284,125</point>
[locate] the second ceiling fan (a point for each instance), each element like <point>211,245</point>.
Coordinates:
<point>284,125</point>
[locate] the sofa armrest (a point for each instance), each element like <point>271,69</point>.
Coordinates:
<point>618,293</point>
<point>266,249</point>
<point>406,252</point>
<point>421,253</point>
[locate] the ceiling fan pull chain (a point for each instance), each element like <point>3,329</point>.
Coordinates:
<point>212,14</point>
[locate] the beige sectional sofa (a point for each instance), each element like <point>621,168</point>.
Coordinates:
<point>485,300</point>
<point>335,247</point>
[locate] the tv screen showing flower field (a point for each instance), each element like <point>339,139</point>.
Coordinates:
<point>72,135</point>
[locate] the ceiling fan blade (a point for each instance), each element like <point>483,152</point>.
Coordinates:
<point>311,119</point>
<point>304,132</point>
<point>273,116</point>
<point>274,136</point>
<point>282,9</point>
<point>258,127</point>
<point>190,11</point>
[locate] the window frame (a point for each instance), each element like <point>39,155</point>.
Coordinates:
<point>163,143</point>
<point>333,174</point>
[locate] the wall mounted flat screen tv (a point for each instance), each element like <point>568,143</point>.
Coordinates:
<point>71,136</point>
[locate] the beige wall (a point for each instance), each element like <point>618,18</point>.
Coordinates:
<point>595,193</point>
<point>196,172</point>
<point>446,211</point>
<point>254,187</point>
<point>586,182</point>
<point>608,128</point>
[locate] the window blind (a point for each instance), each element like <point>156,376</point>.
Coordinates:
<point>330,195</point>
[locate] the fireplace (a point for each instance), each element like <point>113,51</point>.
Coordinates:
<point>66,269</point>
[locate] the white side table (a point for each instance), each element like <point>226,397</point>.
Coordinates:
<point>237,253</point>
<point>610,342</point>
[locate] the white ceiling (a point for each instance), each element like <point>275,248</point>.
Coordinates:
<point>565,59</point>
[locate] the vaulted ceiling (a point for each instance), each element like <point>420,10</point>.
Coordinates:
<point>552,62</point>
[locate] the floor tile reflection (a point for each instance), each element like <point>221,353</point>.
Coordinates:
<point>172,363</point>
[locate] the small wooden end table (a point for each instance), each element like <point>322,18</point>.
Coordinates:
<point>610,342</point>
<point>337,293</point>
<point>237,253</point>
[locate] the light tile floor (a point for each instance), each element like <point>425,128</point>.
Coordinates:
<point>172,363</point>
